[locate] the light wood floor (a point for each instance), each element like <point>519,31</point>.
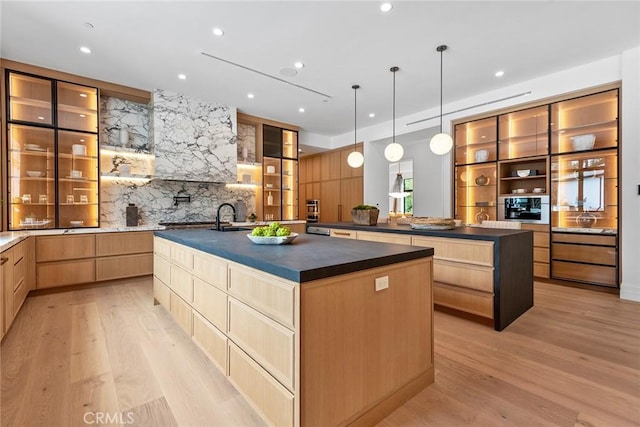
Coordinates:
<point>572,360</point>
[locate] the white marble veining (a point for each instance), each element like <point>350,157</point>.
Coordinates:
<point>116,114</point>
<point>246,143</point>
<point>193,139</point>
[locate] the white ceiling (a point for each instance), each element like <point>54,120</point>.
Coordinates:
<point>147,44</point>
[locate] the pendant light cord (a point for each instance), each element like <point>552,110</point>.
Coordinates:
<point>355,116</point>
<point>441,49</point>
<point>393,122</point>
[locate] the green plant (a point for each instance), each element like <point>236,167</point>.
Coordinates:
<point>364,207</point>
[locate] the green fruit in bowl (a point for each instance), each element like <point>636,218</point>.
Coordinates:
<point>274,225</point>
<point>283,231</point>
<point>269,232</point>
<point>258,231</point>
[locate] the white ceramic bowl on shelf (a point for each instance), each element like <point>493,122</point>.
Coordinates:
<point>481,155</point>
<point>34,174</point>
<point>583,142</point>
<point>76,223</point>
<point>523,172</point>
<point>538,190</point>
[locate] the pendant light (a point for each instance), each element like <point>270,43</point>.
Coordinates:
<point>441,143</point>
<point>394,151</point>
<point>355,159</point>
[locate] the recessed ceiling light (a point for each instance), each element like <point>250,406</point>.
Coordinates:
<point>301,110</point>
<point>182,76</point>
<point>298,65</point>
<point>85,49</point>
<point>218,32</point>
<point>499,73</point>
<point>250,96</point>
<point>386,7</point>
<point>83,95</point>
<point>372,114</point>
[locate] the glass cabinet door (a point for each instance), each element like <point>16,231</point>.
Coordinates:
<point>586,123</point>
<point>584,190</point>
<point>271,189</point>
<point>475,193</point>
<point>289,193</point>
<point>31,169</point>
<point>524,133</point>
<point>78,179</point>
<point>476,141</point>
<point>77,107</point>
<point>289,144</point>
<point>30,99</point>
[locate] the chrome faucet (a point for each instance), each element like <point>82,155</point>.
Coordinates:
<point>218,214</point>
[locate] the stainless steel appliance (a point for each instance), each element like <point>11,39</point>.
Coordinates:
<point>530,209</point>
<point>313,210</point>
<point>314,229</point>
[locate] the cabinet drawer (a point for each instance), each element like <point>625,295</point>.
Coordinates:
<point>211,341</point>
<point>541,269</point>
<point>162,294</point>
<point>541,239</point>
<point>211,302</point>
<point>597,274</point>
<point>19,294</point>
<point>162,269</point>
<point>162,247</point>
<point>118,267</point>
<point>269,343</point>
<point>271,296</point>
<point>583,253</point>
<point>399,239</point>
<point>464,275</point>
<point>211,269</point>
<point>181,283</point>
<point>469,251</point>
<point>57,248</point>
<point>61,273</point>
<point>267,396</point>
<point>584,239</point>
<point>108,244</point>
<point>343,234</point>
<point>18,252</point>
<point>182,256</point>
<point>181,311</point>
<point>541,255</point>
<point>467,300</point>
<point>18,273</point>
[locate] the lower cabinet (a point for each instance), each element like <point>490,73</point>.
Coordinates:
<point>242,319</point>
<point>585,258</point>
<point>85,258</point>
<point>541,258</point>
<point>14,282</point>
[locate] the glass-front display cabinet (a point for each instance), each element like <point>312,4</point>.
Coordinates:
<point>475,141</point>
<point>475,197</point>
<point>524,133</point>
<point>586,123</point>
<point>280,174</point>
<point>52,153</point>
<point>584,191</point>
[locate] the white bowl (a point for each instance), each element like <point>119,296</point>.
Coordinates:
<point>76,223</point>
<point>538,190</point>
<point>481,155</point>
<point>34,174</point>
<point>583,142</point>
<point>272,240</point>
<point>523,172</point>
<point>520,191</point>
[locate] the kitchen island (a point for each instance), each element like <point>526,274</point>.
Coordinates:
<point>317,332</point>
<point>487,272</point>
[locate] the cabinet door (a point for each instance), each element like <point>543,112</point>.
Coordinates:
<point>330,201</point>
<point>524,133</point>
<point>475,195</point>
<point>330,165</point>
<point>56,248</point>
<point>351,194</point>
<point>62,273</point>
<point>108,244</point>
<point>347,171</point>
<point>6,291</point>
<point>30,99</point>
<point>475,142</point>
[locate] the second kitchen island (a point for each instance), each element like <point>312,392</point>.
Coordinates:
<point>318,332</point>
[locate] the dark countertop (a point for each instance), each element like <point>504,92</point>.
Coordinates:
<point>472,233</point>
<point>307,258</point>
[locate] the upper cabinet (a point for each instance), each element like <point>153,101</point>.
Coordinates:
<point>476,141</point>
<point>524,133</point>
<point>585,123</point>
<point>52,135</point>
<point>194,139</point>
<point>280,173</point>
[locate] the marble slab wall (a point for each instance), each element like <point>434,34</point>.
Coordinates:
<point>194,139</point>
<point>155,198</point>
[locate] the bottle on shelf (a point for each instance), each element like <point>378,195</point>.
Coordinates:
<point>269,199</point>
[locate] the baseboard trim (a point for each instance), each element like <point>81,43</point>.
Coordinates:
<point>630,291</point>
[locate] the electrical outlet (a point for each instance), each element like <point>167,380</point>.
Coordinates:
<point>382,283</point>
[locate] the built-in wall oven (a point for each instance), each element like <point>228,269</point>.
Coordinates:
<point>531,209</point>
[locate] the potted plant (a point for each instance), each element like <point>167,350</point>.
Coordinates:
<point>365,214</point>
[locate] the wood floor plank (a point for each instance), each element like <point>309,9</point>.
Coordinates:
<point>572,360</point>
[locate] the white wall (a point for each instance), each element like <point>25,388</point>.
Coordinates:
<point>437,177</point>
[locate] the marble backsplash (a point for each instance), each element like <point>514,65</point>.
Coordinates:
<point>155,198</point>
<point>193,139</point>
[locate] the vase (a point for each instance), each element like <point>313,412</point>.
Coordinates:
<point>586,220</point>
<point>482,216</point>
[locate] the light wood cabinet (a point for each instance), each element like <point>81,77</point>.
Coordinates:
<point>181,312</point>
<point>585,258</point>
<point>330,206</point>
<point>212,342</point>
<point>161,293</point>
<point>541,249</point>
<point>16,271</point>
<point>86,258</point>
<point>400,239</point>
<point>343,234</point>
<point>351,194</point>
<point>211,302</point>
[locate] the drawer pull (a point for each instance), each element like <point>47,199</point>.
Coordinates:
<point>3,260</point>
<point>337,233</point>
